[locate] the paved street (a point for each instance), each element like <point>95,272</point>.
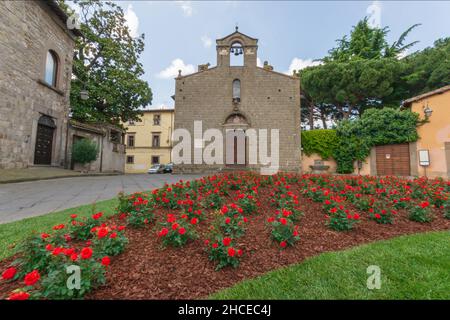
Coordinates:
<point>29,199</point>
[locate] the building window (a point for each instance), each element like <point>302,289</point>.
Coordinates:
<point>51,68</point>
<point>131,122</point>
<point>130,140</point>
<point>130,159</point>
<point>155,159</point>
<point>155,140</point>
<point>236,90</point>
<point>156,119</point>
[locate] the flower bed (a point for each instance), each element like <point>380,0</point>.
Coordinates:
<point>190,239</point>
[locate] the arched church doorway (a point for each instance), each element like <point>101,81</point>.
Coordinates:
<point>236,140</point>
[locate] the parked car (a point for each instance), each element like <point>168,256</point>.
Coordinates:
<point>168,168</point>
<point>156,168</point>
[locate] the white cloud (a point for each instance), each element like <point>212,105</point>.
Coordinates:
<point>207,42</point>
<point>298,64</point>
<point>172,70</point>
<point>132,21</point>
<point>186,6</point>
<point>374,14</point>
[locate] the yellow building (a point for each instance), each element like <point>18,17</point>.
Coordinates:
<point>149,141</point>
<point>434,135</point>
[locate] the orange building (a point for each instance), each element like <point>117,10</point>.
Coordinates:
<point>432,150</point>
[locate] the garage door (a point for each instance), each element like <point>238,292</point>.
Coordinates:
<point>393,159</point>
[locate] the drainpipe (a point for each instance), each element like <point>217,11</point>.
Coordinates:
<point>66,165</point>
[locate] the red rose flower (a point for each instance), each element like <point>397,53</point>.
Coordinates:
<point>45,235</point>
<point>106,261</point>
<point>231,252</point>
<point>424,204</point>
<point>163,232</point>
<point>283,244</point>
<point>194,221</point>
<point>74,257</point>
<point>86,253</point>
<point>73,216</point>
<point>224,209</point>
<point>102,232</point>
<point>226,241</point>
<point>31,278</point>
<point>215,245</point>
<point>9,273</point>
<point>113,235</point>
<point>182,230</point>
<point>378,216</point>
<point>227,220</point>
<point>175,226</point>
<point>19,296</point>
<point>239,252</point>
<point>283,221</point>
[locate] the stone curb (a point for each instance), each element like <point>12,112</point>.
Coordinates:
<point>60,177</point>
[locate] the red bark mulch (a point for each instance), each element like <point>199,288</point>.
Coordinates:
<point>147,271</point>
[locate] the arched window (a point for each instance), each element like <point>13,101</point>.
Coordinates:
<point>51,68</point>
<point>236,90</point>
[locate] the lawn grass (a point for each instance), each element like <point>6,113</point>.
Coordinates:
<point>412,267</point>
<point>16,231</point>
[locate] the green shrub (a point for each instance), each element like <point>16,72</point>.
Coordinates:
<point>323,142</point>
<point>84,151</point>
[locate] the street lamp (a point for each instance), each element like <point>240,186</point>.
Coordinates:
<point>427,111</point>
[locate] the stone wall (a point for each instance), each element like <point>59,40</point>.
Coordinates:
<point>367,167</point>
<point>111,156</point>
<point>28,30</point>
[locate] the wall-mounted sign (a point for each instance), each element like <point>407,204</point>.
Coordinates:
<point>424,158</point>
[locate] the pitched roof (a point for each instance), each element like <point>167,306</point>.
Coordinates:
<point>441,90</point>
<point>235,34</point>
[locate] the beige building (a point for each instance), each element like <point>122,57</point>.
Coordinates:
<point>36,50</point>
<point>434,135</point>
<point>234,98</point>
<point>148,141</point>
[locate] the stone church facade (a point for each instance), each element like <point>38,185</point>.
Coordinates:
<point>234,99</point>
<point>36,52</point>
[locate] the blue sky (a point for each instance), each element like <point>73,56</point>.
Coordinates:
<point>181,34</point>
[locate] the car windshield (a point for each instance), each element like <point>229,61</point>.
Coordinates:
<point>155,166</point>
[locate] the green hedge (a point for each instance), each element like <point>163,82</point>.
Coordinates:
<point>323,142</point>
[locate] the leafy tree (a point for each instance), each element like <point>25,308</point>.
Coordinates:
<point>428,69</point>
<point>106,64</point>
<point>363,71</point>
<point>366,42</point>
<point>350,87</point>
